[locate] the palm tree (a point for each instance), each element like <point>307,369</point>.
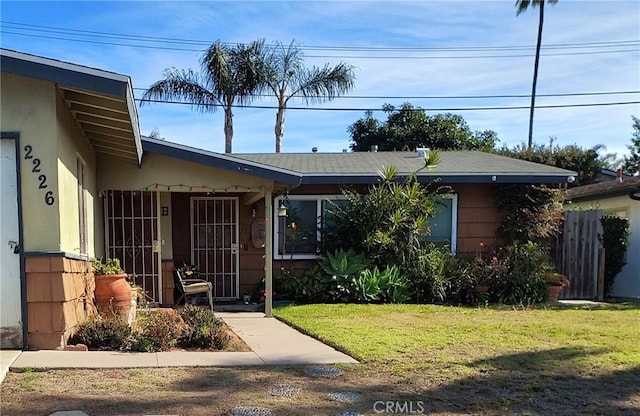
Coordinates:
<point>522,6</point>
<point>230,75</point>
<point>285,76</point>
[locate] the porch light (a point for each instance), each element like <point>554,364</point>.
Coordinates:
<point>282,210</point>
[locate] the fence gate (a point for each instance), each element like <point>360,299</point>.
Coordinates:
<point>214,243</point>
<point>576,253</point>
<point>131,235</point>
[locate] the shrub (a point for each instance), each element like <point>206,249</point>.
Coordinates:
<point>437,275</point>
<point>111,267</point>
<point>157,330</point>
<point>374,285</point>
<point>204,330</point>
<point>523,280</point>
<point>102,334</point>
<point>615,240</point>
<point>343,267</point>
<point>531,213</point>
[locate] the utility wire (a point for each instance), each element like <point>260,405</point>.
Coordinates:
<point>456,97</point>
<point>112,35</point>
<point>326,56</point>
<point>266,107</point>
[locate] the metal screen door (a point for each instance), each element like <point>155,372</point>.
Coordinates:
<point>131,228</point>
<point>214,243</point>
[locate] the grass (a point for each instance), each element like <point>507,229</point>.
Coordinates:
<point>440,360</point>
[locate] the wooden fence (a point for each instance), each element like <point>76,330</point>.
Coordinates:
<point>576,253</point>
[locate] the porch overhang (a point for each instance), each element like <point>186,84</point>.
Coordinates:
<point>101,102</point>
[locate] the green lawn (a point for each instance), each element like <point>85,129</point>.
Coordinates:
<point>434,360</point>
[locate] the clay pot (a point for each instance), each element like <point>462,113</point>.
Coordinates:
<point>554,293</point>
<point>113,294</point>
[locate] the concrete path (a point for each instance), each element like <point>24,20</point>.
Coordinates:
<point>7,357</point>
<point>271,341</point>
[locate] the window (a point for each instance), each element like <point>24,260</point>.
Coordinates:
<point>82,205</point>
<point>298,234</point>
<point>444,224</point>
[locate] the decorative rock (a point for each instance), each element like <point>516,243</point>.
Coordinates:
<point>77,347</point>
<point>323,371</point>
<point>345,396</point>
<point>69,413</point>
<point>284,390</point>
<point>249,411</point>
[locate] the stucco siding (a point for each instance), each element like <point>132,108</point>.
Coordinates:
<point>627,283</point>
<point>28,107</point>
<point>71,144</point>
<point>166,171</point>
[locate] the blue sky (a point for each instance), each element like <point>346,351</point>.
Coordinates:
<point>450,25</point>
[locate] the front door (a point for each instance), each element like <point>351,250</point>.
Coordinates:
<point>132,237</point>
<point>214,243</point>
<point>11,297</point>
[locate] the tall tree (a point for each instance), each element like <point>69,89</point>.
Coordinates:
<point>631,163</point>
<point>229,76</point>
<point>285,76</point>
<point>409,127</point>
<point>522,6</point>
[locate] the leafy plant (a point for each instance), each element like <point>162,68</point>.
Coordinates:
<point>366,287</point>
<point>102,334</point>
<point>204,330</point>
<point>343,267</point>
<point>523,282</point>
<point>110,267</point>
<point>615,240</point>
<point>556,279</point>
<point>531,212</point>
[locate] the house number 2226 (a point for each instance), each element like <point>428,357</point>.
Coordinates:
<point>42,178</point>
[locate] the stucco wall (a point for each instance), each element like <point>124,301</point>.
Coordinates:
<point>71,144</point>
<point>28,106</point>
<point>157,169</point>
<point>627,283</point>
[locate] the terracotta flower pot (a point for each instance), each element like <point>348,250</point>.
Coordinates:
<point>113,294</point>
<point>554,292</point>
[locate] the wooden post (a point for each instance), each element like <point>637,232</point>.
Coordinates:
<point>268,251</point>
<point>601,274</point>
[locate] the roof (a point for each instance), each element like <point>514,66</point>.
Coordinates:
<point>454,167</point>
<point>363,167</point>
<point>601,190</point>
<point>102,102</point>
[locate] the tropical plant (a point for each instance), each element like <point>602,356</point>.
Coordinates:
<point>386,286</point>
<point>390,222</point>
<point>229,76</point>
<point>343,267</point>
<point>285,76</point>
<point>615,240</point>
<point>522,6</point>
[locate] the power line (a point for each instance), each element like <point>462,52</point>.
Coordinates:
<point>458,97</point>
<point>113,35</point>
<point>327,56</point>
<point>265,107</point>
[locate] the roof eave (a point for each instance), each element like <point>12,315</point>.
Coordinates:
<point>497,178</point>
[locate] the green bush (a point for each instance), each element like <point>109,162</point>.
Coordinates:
<point>343,267</point>
<point>204,330</point>
<point>386,286</point>
<point>521,281</point>
<point>102,334</point>
<point>157,330</point>
<point>615,240</point>
<point>437,275</point>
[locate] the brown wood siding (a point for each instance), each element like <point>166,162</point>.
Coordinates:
<point>478,217</point>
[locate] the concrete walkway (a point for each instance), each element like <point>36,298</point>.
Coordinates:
<point>271,341</point>
<point>7,357</point>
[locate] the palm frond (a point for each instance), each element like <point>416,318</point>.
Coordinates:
<point>182,85</point>
<point>321,84</point>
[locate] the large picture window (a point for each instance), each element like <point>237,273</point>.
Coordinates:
<point>297,236</point>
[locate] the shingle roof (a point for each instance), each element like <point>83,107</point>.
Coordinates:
<point>363,167</point>
<point>606,189</point>
<point>454,166</point>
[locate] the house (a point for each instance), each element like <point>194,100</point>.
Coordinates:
<point>620,196</point>
<point>79,182</point>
